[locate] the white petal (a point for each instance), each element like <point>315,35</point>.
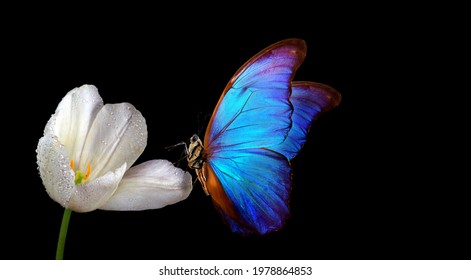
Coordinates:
<point>150,185</point>
<point>73,118</point>
<point>118,135</point>
<point>54,169</point>
<point>95,193</point>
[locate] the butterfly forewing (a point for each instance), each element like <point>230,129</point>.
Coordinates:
<point>254,110</point>
<point>253,114</point>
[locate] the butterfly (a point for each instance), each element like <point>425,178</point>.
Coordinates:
<point>258,126</point>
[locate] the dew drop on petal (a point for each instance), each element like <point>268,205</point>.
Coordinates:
<point>54,169</point>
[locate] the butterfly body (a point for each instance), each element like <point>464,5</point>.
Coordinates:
<point>259,124</point>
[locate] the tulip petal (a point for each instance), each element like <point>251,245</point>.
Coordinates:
<point>90,196</point>
<point>73,118</point>
<point>54,169</point>
<point>118,134</point>
<point>150,185</point>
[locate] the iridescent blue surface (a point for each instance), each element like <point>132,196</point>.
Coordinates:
<point>258,125</point>
<point>309,100</point>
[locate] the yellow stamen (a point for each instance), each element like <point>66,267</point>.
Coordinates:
<point>80,178</point>
<point>88,172</point>
<point>72,164</point>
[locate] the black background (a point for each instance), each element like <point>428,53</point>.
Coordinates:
<point>374,180</point>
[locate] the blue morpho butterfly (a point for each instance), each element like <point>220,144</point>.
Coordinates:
<point>259,124</point>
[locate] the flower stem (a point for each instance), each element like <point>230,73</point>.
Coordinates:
<point>63,234</point>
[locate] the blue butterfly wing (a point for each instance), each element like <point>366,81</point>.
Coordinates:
<point>249,183</point>
<point>254,109</point>
<point>257,183</point>
<point>309,100</point>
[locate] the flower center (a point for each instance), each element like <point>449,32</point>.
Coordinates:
<point>80,177</point>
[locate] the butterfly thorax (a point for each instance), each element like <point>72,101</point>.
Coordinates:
<point>195,158</point>
<point>195,153</point>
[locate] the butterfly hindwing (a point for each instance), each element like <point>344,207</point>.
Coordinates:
<point>309,100</point>
<point>257,184</point>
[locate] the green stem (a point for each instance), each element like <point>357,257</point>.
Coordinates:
<point>63,234</point>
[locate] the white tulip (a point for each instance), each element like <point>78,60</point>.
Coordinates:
<point>87,151</point>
